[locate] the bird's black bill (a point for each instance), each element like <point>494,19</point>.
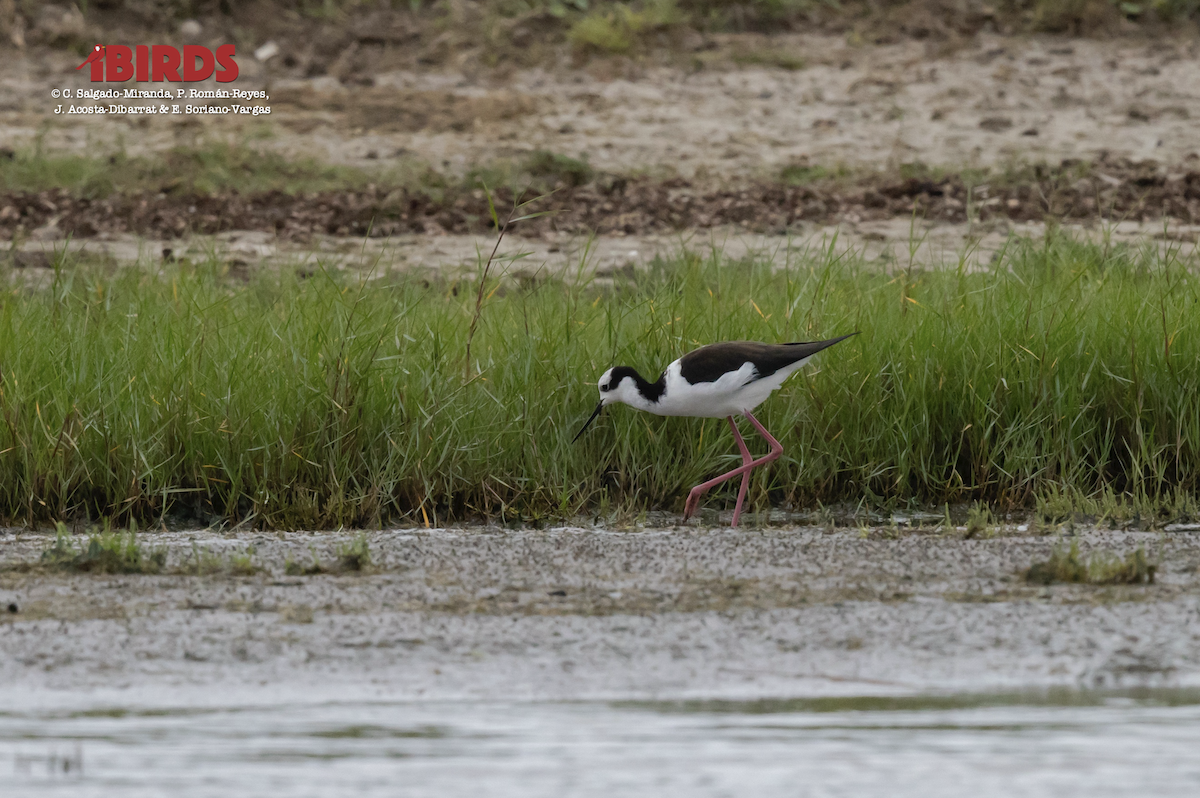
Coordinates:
<point>595,413</point>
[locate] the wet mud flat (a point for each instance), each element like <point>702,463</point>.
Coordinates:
<point>571,613</point>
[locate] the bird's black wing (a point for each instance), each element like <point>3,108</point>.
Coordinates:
<point>710,363</point>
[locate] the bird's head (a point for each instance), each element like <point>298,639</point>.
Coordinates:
<point>618,384</point>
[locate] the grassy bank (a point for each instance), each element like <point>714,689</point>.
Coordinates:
<point>248,168</point>
<point>316,402</point>
<point>199,171</point>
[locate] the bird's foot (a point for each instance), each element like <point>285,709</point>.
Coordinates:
<point>693,502</point>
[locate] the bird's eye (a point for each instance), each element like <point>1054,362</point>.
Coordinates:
<point>606,386</point>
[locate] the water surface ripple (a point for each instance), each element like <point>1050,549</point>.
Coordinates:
<point>1063,744</point>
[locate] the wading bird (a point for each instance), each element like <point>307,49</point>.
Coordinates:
<point>714,381</point>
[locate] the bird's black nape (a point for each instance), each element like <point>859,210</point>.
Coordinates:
<point>650,391</point>
<point>595,413</point>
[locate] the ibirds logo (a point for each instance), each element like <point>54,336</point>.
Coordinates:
<point>116,63</point>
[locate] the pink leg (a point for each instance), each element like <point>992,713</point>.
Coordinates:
<point>693,499</point>
<point>746,458</point>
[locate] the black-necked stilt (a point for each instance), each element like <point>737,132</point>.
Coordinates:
<point>714,381</point>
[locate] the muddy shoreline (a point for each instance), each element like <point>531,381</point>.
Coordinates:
<point>585,613</point>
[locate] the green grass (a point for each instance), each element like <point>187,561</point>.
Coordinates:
<point>293,568</point>
<point>210,169</point>
<point>109,551</point>
<point>1100,568</point>
<point>771,57</point>
<point>979,521</point>
<point>1060,505</point>
<point>617,27</point>
<point>802,174</point>
<point>246,168</point>
<point>106,552</point>
<point>325,402</point>
<point>202,561</point>
<point>355,555</point>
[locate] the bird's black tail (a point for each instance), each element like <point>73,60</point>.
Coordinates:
<point>817,346</point>
<point>801,350</point>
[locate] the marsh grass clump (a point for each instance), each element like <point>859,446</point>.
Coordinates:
<point>617,27</point>
<point>1133,569</point>
<point>1054,506</point>
<point>555,168</point>
<point>802,173</point>
<point>293,567</point>
<point>355,555</point>
<point>1100,568</point>
<point>350,556</point>
<point>1064,565</point>
<point>202,561</point>
<point>242,563</point>
<point>1116,510</point>
<point>105,552</point>
<point>979,521</point>
<point>769,56</point>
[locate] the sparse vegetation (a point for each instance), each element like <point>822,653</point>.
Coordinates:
<point>109,551</point>
<point>242,563</point>
<point>245,187</point>
<point>1059,505</point>
<point>1099,568</point>
<point>105,552</point>
<point>556,169</point>
<point>617,27</point>
<point>251,168</point>
<point>355,555</point>
<point>207,170</point>
<point>201,561</point>
<point>293,568</point>
<point>769,56</point>
<point>979,521</point>
<point>185,186</point>
<point>803,174</point>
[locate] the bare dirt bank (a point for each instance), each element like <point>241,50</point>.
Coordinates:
<point>992,102</point>
<point>616,206</point>
<point>678,149</point>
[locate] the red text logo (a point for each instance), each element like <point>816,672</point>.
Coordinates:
<point>155,63</point>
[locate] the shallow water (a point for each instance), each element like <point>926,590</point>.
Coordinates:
<point>1067,744</point>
